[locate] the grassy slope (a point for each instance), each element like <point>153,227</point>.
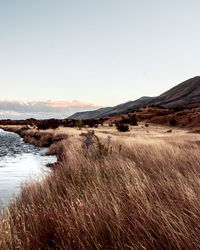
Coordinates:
<point>143,195</point>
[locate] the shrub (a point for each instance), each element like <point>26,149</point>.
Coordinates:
<point>79,124</point>
<point>122,127</point>
<point>133,120</point>
<point>130,120</point>
<point>102,149</point>
<point>91,143</point>
<point>92,123</point>
<point>173,122</point>
<point>88,141</point>
<point>48,124</point>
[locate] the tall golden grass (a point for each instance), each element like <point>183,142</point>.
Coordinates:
<point>141,195</point>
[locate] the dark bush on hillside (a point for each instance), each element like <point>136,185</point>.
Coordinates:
<point>173,122</point>
<point>160,114</point>
<point>31,121</point>
<point>122,127</point>
<point>102,120</point>
<point>131,120</point>
<point>157,106</point>
<point>92,123</point>
<point>48,124</point>
<point>65,122</point>
<point>177,109</point>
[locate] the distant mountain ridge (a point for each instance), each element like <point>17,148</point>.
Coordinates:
<point>183,95</point>
<point>111,111</point>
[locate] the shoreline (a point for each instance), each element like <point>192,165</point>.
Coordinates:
<point>20,163</point>
<point>39,138</point>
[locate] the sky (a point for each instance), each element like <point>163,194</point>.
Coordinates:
<point>83,54</point>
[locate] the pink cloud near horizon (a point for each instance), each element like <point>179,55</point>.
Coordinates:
<point>11,109</point>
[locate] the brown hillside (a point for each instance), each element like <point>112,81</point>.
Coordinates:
<point>185,95</point>
<point>186,118</point>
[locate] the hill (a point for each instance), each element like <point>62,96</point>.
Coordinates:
<point>184,95</point>
<point>112,111</point>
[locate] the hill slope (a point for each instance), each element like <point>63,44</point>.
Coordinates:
<point>111,111</point>
<point>184,95</point>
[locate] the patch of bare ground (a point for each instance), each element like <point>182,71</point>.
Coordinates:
<point>136,190</point>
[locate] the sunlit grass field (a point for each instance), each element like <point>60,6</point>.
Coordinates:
<point>133,190</point>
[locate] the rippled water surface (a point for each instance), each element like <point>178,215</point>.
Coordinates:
<point>19,161</point>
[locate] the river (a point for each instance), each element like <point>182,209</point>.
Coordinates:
<point>18,162</point>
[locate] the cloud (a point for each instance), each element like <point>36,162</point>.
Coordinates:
<point>10,109</point>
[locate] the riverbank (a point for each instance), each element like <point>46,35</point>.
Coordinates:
<point>19,161</point>
<point>41,138</point>
<point>137,190</point>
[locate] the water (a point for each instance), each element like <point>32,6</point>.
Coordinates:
<point>18,162</point>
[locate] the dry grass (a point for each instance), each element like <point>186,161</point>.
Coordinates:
<point>144,194</point>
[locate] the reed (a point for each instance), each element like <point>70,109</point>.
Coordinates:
<point>142,194</point>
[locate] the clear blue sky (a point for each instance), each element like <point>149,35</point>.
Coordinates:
<point>103,52</point>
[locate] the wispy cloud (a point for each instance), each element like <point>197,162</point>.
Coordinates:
<point>10,109</point>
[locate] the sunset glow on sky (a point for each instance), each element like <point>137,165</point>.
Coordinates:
<point>100,53</point>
